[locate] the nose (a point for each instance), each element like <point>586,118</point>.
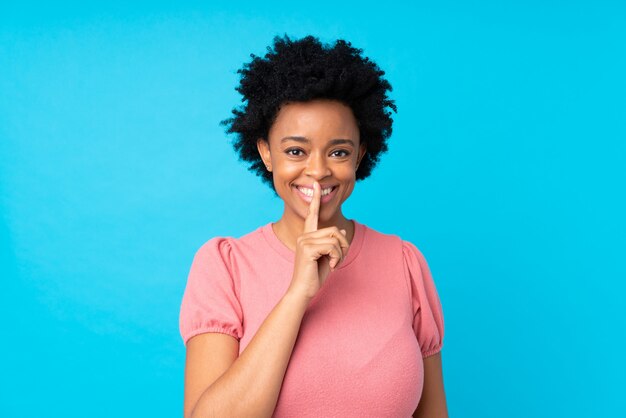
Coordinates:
<point>317,167</point>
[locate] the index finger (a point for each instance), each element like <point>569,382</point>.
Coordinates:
<point>310,222</point>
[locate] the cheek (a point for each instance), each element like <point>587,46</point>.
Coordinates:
<point>288,172</point>
<point>348,174</point>
<point>285,174</point>
<point>349,179</point>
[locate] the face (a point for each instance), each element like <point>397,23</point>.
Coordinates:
<point>315,140</point>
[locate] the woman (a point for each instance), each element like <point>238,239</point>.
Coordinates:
<point>315,314</point>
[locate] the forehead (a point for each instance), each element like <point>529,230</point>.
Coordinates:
<point>316,120</point>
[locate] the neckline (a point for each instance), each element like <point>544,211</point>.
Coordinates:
<point>286,253</point>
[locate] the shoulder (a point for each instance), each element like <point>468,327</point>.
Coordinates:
<point>412,252</point>
<point>380,238</point>
<point>226,247</point>
<point>376,236</point>
<point>415,263</point>
<point>216,245</point>
<point>218,260</point>
<point>389,245</point>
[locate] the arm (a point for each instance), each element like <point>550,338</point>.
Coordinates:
<point>433,401</point>
<point>247,385</point>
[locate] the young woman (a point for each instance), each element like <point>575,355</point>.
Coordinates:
<point>314,315</point>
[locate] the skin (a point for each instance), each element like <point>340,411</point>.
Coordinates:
<point>433,400</point>
<point>320,235</point>
<point>296,162</point>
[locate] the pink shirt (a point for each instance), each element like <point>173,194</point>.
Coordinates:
<point>363,337</point>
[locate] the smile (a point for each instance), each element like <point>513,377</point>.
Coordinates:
<point>307,194</point>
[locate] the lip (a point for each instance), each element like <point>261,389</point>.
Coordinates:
<point>324,199</point>
<point>323,186</point>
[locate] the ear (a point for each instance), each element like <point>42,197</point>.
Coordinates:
<point>264,151</point>
<point>362,151</point>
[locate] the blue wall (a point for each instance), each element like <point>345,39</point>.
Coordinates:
<point>506,168</point>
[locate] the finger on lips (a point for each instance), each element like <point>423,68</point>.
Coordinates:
<point>310,223</point>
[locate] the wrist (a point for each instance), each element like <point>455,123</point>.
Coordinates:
<point>297,297</point>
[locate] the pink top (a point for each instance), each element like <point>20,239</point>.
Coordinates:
<point>362,339</point>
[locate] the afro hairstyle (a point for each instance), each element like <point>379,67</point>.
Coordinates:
<point>303,70</point>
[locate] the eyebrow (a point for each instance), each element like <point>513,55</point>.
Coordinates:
<point>306,140</point>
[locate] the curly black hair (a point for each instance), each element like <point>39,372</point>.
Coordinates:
<point>303,70</point>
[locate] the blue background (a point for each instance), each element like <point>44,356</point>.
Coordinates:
<point>506,168</point>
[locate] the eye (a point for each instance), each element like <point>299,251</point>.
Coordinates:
<point>291,150</point>
<point>345,153</point>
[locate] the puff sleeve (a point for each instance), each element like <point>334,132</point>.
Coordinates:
<point>428,322</point>
<point>210,302</point>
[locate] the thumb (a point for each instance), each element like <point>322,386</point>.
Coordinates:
<point>343,231</point>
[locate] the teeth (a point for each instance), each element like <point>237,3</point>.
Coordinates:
<point>309,192</point>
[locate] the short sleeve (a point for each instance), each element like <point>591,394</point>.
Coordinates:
<point>210,302</point>
<point>428,322</point>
